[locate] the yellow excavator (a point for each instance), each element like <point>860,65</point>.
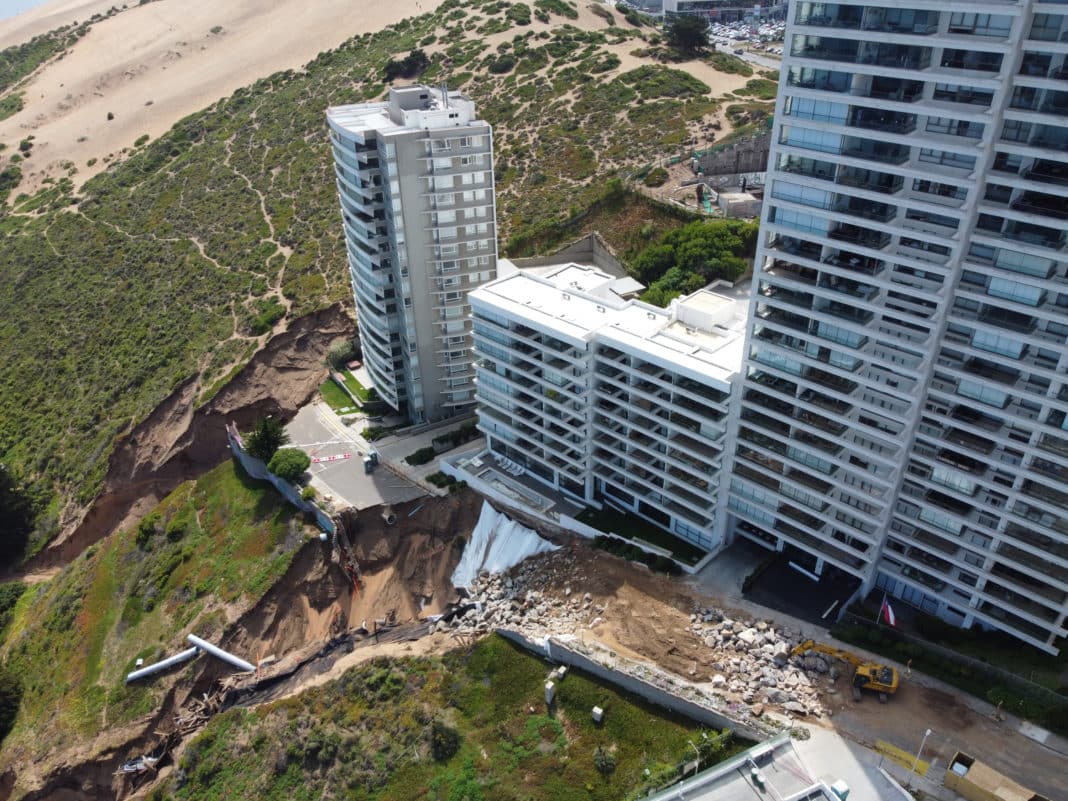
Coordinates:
<point>881,679</point>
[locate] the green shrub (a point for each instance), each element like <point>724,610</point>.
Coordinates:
<point>656,177</point>
<point>341,353</point>
<point>604,761</point>
<point>10,699</point>
<point>559,7</point>
<point>289,463</point>
<point>503,64</point>
<point>519,13</point>
<point>308,493</point>
<point>411,66</point>
<point>142,139</point>
<point>421,456</point>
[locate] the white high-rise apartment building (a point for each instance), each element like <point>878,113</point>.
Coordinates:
<point>612,401</point>
<point>905,406</point>
<point>415,181</point>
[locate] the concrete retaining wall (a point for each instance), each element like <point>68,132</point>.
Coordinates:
<point>257,469</point>
<point>557,652</point>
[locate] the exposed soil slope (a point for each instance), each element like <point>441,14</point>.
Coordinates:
<point>178,442</point>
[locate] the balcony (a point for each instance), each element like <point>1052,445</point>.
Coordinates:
<point>870,180</point>
<point>971,60</point>
<point>826,15</point>
<point>802,300</point>
<point>1048,172</point>
<point>820,80</point>
<point>820,422</point>
<point>867,209</point>
<point>905,57</point>
<point>825,48</point>
<point>832,405</point>
<point>888,121</point>
<point>794,272</point>
<point>848,287</point>
<point>855,263</point>
<point>1034,235</point>
<point>810,481</point>
<point>1036,563</point>
<point>1039,203</point>
<point>845,311</point>
<point>1041,492</point>
<point>831,381</point>
<point>897,89</point>
<point>810,168</point>
<point>888,20</point>
<point>870,150</point>
<point>876,240</point>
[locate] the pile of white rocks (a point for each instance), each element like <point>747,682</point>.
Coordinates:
<point>503,601</point>
<point>755,663</point>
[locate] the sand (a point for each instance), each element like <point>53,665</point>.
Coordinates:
<point>152,65</point>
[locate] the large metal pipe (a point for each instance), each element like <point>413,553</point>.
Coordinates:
<point>219,653</point>
<point>163,664</point>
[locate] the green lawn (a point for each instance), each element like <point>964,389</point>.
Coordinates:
<point>366,735</point>
<point>335,396</point>
<point>633,527</point>
<point>356,388</point>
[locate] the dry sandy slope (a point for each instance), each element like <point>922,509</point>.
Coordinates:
<point>47,17</point>
<point>165,54</point>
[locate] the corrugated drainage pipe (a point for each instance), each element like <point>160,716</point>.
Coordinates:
<point>219,653</point>
<point>163,664</point>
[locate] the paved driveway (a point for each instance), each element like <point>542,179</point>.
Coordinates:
<point>337,462</point>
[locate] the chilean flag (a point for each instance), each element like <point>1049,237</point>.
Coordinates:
<point>887,613</point>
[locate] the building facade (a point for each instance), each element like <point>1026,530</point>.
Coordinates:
<point>610,400</point>
<point>904,409</point>
<point>415,182</point>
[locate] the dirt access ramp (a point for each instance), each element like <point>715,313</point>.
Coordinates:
<point>179,441</point>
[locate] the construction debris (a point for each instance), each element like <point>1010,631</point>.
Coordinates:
<point>219,653</point>
<point>162,665</point>
<point>754,665</point>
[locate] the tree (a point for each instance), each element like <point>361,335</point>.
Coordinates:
<point>687,32</point>
<point>16,517</point>
<point>289,463</point>
<point>444,741</point>
<point>266,438</point>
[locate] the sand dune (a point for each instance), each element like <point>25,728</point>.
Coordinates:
<point>151,65</point>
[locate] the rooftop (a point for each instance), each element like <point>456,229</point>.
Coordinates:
<point>702,334</point>
<point>408,108</point>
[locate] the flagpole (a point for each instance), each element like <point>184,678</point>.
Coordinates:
<point>879,614</point>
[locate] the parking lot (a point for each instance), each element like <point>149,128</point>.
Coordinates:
<point>337,462</point>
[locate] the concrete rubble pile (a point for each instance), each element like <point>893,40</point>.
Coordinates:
<point>754,664</point>
<point>753,667</point>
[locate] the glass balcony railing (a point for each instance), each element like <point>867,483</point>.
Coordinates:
<point>888,121</point>
<point>861,236</point>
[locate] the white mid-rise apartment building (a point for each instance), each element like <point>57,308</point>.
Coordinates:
<point>611,400</point>
<point>905,401</point>
<point>415,181</point>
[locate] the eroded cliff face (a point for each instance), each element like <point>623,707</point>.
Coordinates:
<point>180,441</point>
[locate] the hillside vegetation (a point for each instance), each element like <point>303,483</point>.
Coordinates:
<point>468,726</point>
<point>185,255</point>
<point>212,546</point>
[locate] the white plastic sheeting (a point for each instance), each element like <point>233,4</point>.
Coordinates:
<point>496,544</point>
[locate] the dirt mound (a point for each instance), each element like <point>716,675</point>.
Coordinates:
<point>178,442</point>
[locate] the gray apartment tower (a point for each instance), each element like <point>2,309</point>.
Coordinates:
<point>415,182</point>
<point>904,409</point>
